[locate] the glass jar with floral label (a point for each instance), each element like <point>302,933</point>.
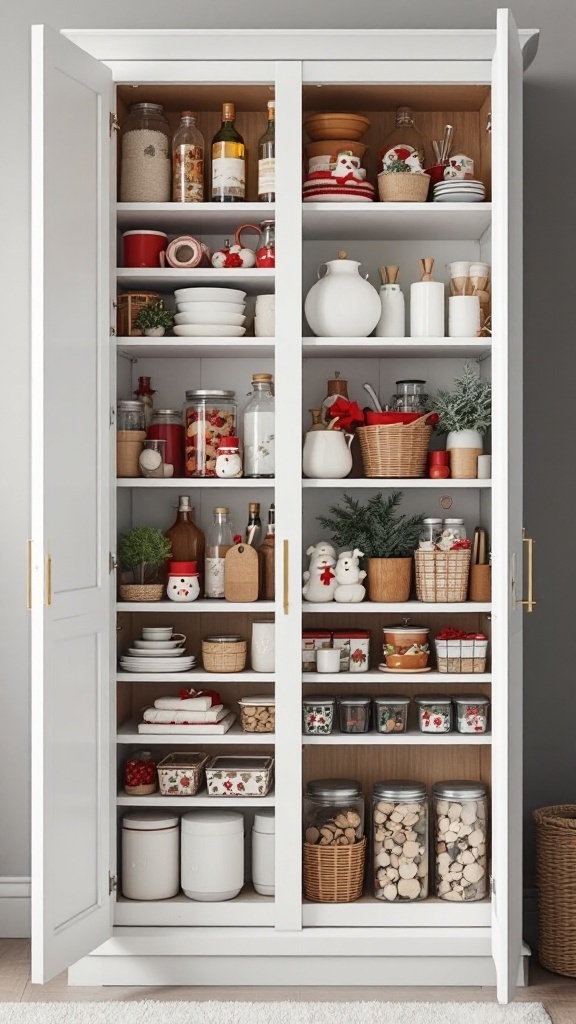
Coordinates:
<point>434,713</point>
<point>318,715</point>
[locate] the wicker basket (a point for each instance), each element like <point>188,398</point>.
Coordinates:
<point>556,878</point>
<point>128,305</point>
<point>442,575</point>
<point>403,188</point>
<point>229,656</point>
<point>334,874</point>
<point>395,449</point>
<point>141,591</point>
<point>461,655</point>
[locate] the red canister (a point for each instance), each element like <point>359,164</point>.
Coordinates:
<point>441,458</point>
<point>143,248</point>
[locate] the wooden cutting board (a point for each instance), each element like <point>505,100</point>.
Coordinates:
<point>241,573</point>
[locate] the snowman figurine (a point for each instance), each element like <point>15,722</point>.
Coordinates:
<point>183,582</point>
<point>228,461</point>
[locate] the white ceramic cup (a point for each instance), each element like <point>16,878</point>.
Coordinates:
<point>463,316</point>
<point>262,648</point>
<point>484,467</point>
<point>156,632</point>
<point>327,660</point>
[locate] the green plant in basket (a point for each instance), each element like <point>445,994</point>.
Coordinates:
<point>153,316</point>
<point>375,527</point>
<point>142,551</point>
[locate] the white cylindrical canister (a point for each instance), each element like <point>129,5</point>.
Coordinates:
<point>463,316</point>
<point>262,648</point>
<point>392,322</point>
<point>427,309</point>
<point>150,869</point>
<point>212,855</point>
<point>263,837</point>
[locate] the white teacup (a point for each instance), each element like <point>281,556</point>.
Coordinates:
<point>157,632</point>
<point>328,659</point>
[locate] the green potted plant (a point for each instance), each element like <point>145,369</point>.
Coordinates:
<point>464,414</point>
<point>387,539</point>
<point>154,319</point>
<point>141,553</point>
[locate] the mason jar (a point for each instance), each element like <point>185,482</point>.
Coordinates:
<point>333,812</point>
<point>461,840</point>
<point>453,530</point>
<point>131,415</point>
<point>210,417</point>
<point>400,841</point>
<point>430,534</point>
<point>145,160</point>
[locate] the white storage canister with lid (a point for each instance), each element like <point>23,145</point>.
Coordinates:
<point>212,855</point>
<point>263,840</point>
<point>150,855</point>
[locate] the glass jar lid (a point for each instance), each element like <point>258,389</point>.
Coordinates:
<point>131,405</point>
<point>402,791</point>
<point>474,699</point>
<point>334,789</point>
<point>460,789</point>
<point>453,522</point>
<point>432,522</point>
<point>167,412</point>
<point>391,699</point>
<point>223,639</point>
<point>433,699</point>
<point>209,393</point>
<point>320,698</point>
<point>406,385</point>
<point>352,702</point>
<point>146,108</point>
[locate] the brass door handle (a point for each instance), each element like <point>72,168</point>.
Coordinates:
<point>286,603</point>
<point>529,602</point>
<point>49,580</point>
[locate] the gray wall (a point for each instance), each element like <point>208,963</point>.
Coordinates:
<point>550,360</point>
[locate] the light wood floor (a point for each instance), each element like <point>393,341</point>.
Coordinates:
<point>558,994</point>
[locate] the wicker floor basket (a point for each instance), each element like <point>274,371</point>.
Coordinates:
<point>334,874</point>
<point>141,591</point>
<point>442,575</point>
<point>224,657</point>
<point>403,188</point>
<point>556,879</point>
<point>395,449</point>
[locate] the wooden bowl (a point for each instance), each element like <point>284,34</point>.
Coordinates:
<point>332,147</point>
<point>336,126</point>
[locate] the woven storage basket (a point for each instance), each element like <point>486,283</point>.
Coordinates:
<point>442,575</point>
<point>403,188</point>
<point>334,874</point>
<point>141,591</point>
<point>224,657</point>
<point>556,879</point>
<point>395,449</point>
<point>128,305</point>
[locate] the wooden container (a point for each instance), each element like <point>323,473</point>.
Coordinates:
<point>395,449</point>
<point>128,305</point>
<point>464,463</point>
<point>224,654</point>
<point>389,578</point>
<point>403,188</point>
<point>480,583</point>
<point>129,444</point>
<point>555,875</point>
<point>442,575</point>
<point>333,874</point>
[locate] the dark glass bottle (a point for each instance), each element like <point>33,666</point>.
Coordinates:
<point>266,555</point>
<point>267,159</point>
<point>228,160</point>
<point>187,539</point>
<point>254,525</point>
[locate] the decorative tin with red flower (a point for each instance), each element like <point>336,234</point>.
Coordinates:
<point>434,713</point>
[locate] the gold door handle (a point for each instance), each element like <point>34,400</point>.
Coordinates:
<point>286,600</point>
<point>29,578</point>
<point>49,580</point>
<point>529,602</point>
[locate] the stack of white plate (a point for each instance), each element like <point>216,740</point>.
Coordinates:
<point>264,316</point>
<point>209,313</point>
<point>157,656</point>
<point>459,190</point>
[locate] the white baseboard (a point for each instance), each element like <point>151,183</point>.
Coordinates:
<point>14,908</point>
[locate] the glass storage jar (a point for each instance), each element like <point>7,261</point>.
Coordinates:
<point>390,713</point>
<point>430,534</point>
<point>434,713</point>
<point>400,840</point>
<point>453,530</point>
<point>145,147</point>
<point>461,840</point>
<point>471,713</point>
<point>259,460</point>
<point>318,715</point>
<point>410,396</point>
<point>130,415</point>
<point>210,416</point>
<point>167,425</point>
<point>266,247</point>
<point>333,811</point>
<point>354,714</point>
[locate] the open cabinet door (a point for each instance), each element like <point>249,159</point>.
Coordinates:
<point>507,505</point>
<point>70,582</point>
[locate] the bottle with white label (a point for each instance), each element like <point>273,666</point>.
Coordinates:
<point>259,456</point>
<point>267,160</point>
<point>220,539</point>
<point>228,160</point>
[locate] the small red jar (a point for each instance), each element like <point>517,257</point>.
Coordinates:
<point>140,774</point>
<point>143,248</point>
<point>441,458</point>
<point>167,426</point>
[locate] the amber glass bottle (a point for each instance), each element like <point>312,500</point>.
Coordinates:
<point>187,539</point>
<point>266,556</point>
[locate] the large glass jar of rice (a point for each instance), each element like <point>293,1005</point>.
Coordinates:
<point>145,147</point>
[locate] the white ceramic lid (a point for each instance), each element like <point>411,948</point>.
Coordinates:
<point>148,821</point>
<point>265,821</point>
<point>144,231</point>
<point>212,823</point>
<point>262,699</point>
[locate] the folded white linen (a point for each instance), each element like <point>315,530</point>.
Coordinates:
<point>189,730</point>
<point>214,714</point>
<point>189,703</point>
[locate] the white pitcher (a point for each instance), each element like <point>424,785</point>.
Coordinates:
<point>342,304</point>
<point>327,454</point>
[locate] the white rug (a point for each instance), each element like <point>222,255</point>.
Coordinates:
<point>152,1012</point>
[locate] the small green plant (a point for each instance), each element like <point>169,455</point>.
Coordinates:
<point>155,315</point>
<point>397,166</point>
<point>142,551</point>
<point>374,527</point>
<point>468,406</point>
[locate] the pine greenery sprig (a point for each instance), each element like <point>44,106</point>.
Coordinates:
<point>468,406</point>
<point>374,527</point>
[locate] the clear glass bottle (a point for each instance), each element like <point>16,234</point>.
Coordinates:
<point>228,160</point>
<point>461,840</point>
<point>259,455</point>
<point>406,133</point>
<point>266,555</point>
<point>219,540</point>
<point>266,245</point>
<point>146,395</point>
<point>400,841</point>
<point>145,155</point>
<point>187,161</point>
<point>186,538</point>
<point>209,418</point>
<point>254,525</point>
<point>267,159</point>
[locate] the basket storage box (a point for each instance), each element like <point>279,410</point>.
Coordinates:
<point>128,305</point>
<point>442,575</point>
<point>461,655</point>
<point>182,774</point>
<point>395,449</point>
<point>224,654</point>
<point>334,874</point>
<point>403,188</point>
<point>555,876</point>
<point>141,591</point>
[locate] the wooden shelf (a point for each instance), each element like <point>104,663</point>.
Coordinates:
<point>166,280</point>
<point>248,908</point>
<point>383,483</point>
<point>196,676</point>
<point>195,348</point>
<point>410,607</point>
<point>203,605</point>
<point>411,738</point>
<point>374,676</point>
<point>201,800</point>
<point>408,222</point>
<point>368,912</point>
<point>397,348</point>
<point>195,218</point>
<point>189,483</point>
<point>128,733</point>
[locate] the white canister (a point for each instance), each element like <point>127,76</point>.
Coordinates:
<point>463,316</point>
<point>212,855</point>
<point>150,869</point>
<point>263,838</point>
<point>342,304</point>
<point>427,309</point>
<point>392,322</point>
<point>262,647</point>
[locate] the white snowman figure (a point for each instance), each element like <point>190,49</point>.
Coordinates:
<point>228,461</point>
<point>183,583</point>
<point>348,574</point>
<point>348,168</point>
<point>319,579</point>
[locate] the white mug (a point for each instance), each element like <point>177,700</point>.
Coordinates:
<point>484,467</point>
<point>459,166</point>
<point>328,659</point>
<point>262,648</point>
<point>463,316</point>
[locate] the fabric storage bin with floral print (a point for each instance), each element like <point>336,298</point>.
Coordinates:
<point>239,776</point>
<point>182,774</point>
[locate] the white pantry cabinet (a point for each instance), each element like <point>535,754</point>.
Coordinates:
<point>84,709</point>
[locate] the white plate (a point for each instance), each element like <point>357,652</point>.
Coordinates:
<point>211,307</point>
<point>209,295</point>
<point>156,653</point>
<point>232,319</point>
<point>323,198</point>
<point>158,645</point>
<point>178,665</point>
<point>459,197</point>
<point>208,331</point>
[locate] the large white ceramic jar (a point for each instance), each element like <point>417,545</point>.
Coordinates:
<point>150,860</point>
<point>212,855</point>
<point>342,304</point>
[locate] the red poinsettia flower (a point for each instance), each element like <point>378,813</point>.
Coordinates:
<point>184,781</point>
<point>438,721</point>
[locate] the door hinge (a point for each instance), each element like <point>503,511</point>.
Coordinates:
<point>112,563</point>
<point>114,124</point>
<point>112,415</point>
<point>112,883</point>
<point>112,332</point>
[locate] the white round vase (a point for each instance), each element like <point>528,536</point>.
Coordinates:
<point>342,304</point>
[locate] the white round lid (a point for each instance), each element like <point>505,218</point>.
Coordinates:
<point>258,700</point>
<point>144,231</point>
<point>265,821</point>
<point>148,821</point>
<point>212,823</point>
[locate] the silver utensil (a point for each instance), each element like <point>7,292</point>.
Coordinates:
<point>373,397</point>
<point>446,142</point>
<point>436,150</point>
